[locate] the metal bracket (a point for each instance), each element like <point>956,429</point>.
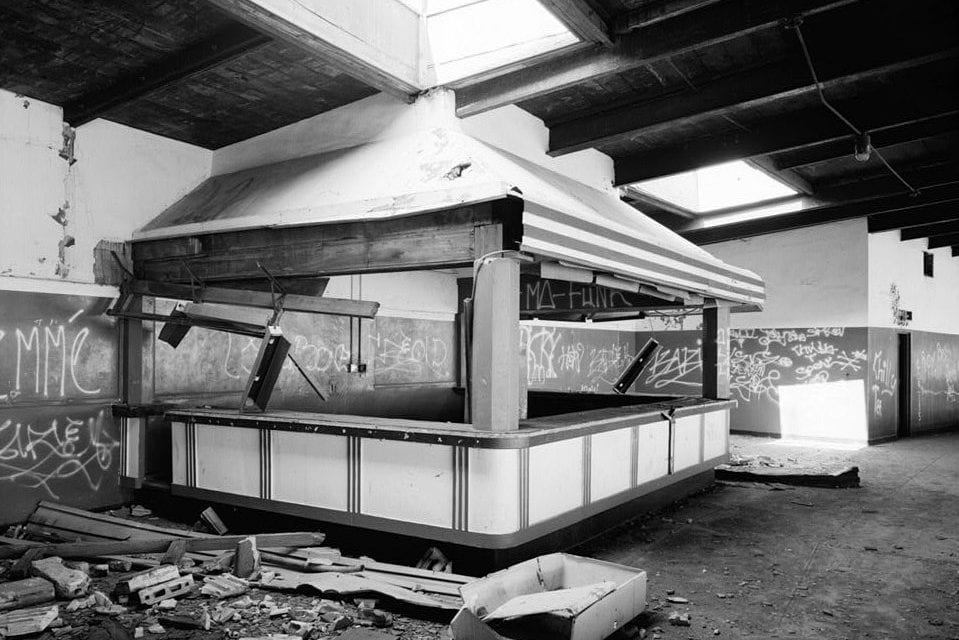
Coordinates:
<point>277,291</point>
<point>196,284</point>
<point>122,266</point>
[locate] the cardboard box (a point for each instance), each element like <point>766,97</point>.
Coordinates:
<point>558,596</point>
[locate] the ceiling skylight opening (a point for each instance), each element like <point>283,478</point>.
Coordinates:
<point>722,186</point>
<point>468,37</point>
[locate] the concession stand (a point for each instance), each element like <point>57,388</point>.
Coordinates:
<point>408,336</point>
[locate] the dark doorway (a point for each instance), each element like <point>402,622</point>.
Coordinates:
<point>905,384</point>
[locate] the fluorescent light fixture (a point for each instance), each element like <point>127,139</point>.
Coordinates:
<point>467,37</point>
<point>721,186</point>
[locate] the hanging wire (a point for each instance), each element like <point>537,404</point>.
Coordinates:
<point>794,24</point>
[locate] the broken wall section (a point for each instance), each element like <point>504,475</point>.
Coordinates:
<point>62,191</point>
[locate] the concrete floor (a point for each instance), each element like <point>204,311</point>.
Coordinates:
<point>880,561</point>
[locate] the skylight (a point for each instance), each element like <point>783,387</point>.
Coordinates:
<point>467,37</point>
<point>722,186</point>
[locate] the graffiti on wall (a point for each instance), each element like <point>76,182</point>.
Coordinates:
<point>588,360</point>
<point>759,360</point>
<point>884,383</point>
<point>47,358</point>
<point>45,453</point>
<point>937,376</point>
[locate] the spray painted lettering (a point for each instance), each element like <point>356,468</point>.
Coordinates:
<point>58,453</point>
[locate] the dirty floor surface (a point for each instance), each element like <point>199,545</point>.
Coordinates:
<point>754,561</point>
<point>879,561</point>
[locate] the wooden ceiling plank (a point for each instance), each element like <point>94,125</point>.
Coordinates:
<point>351,35</point>
<point>898,133</point>
<point>935,242</point>
<point>652,12</point>
<point>752,89</point>
<point>942,211</point>
<point>929,230</point>
<point>871,109</point>
<point>580,18</point>
<point>884,213</point>
<point>222,47</point>
<point>686,32</point>
<point>879,181</point>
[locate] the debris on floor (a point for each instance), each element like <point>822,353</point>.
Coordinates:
<point>764,469</point>
<point>548,596</point>
<point>129,578</point>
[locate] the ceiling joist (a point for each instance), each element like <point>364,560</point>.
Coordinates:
<point>744,90</point>
<point>351,34</point>
<point>710,24</point>
<point>885,213</point>
<point>580,18</point>
<point>930,230</point>
<point>899,133</point>
<point>226,45</point>
<point>891,104</point>
<point>935,242</point>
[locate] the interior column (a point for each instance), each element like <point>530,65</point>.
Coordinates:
<point>494,375</point>
<point>716,352</point>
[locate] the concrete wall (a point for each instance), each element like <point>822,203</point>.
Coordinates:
<point>56,212</point>
<point>58,437</point>
<point>896,280</point>
<point>815,277</point>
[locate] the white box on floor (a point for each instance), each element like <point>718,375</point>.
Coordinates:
<point>558,596</point>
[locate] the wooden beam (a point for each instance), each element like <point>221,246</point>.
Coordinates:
<point>580,18</point>
<point>877,180</point>
<point>934,201</point>
<point>916,215</point>
<point>929,230</point>
<point>652,12</point>
<point>352,35</point>
<point>763,86</point>
<point>495,350</point>
<point>448,238</point>
<point>943,241</point>
<point>686,32</point>
<point>99,548</point>
<point>231,42</point>
<point>895,103</point>
<point>648,203</point>
<point>893,134</point>
<point>259,299</point>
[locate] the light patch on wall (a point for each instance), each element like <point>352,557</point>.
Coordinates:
<point>467,37</point>
<point>824,410</point>
<point>721,186</point>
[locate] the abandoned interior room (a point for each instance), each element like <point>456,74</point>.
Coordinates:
<point>479,319</point>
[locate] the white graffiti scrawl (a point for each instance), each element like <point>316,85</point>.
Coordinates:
<point>57,452</point>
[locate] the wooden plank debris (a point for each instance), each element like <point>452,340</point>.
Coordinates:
<point>175,552</point>
<point>160,545</point>
<point>248,298</point>
<point>59,521</point>
<point>211,519</point>
<point>226,585</point>
<point>349,584</point>
<point>844,477</point>
<point>25,593</point>
<point>28,621</point>
<point>149,578</point>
